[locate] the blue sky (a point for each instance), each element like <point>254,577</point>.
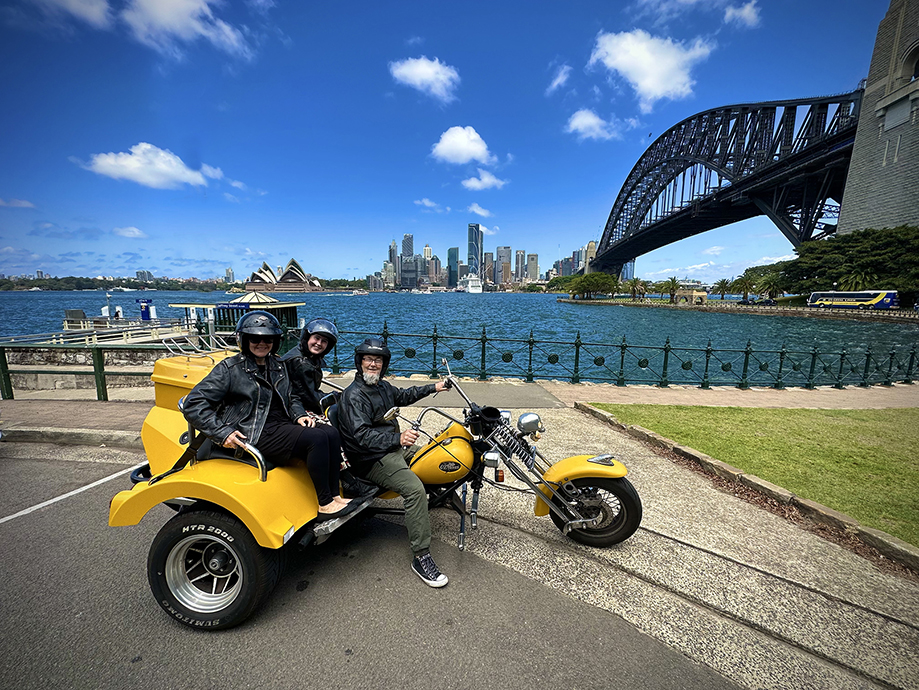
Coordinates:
<point>186,136</point>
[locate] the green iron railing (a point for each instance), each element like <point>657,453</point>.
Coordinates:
<point>483,357</point>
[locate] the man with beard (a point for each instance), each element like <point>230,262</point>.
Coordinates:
<point>378,450</point>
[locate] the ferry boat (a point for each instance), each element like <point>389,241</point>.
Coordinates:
<point>471,284</point>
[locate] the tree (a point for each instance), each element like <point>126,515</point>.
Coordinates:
<point>559,283</point>
<point>722,287</point>
<point>858,280</point>
<point>634,287</point>
<point>670,286</point>
<point>593,283</point>
<point>744,285</point>
<point>770,285</point>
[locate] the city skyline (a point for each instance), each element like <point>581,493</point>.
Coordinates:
<point>187,138</point>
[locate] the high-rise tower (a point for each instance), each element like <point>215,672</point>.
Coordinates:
<point>474,258</point>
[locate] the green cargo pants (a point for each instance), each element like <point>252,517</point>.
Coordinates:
<point>392,472</point>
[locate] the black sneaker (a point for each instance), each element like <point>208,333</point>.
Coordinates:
<point>425,568</point>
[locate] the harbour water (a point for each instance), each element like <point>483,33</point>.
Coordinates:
<point>504,315</point>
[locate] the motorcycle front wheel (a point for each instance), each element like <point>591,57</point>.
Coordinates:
<point>207,571</point>
<point>614,500</point>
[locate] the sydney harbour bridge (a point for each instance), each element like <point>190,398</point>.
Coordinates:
<point>784,159</point>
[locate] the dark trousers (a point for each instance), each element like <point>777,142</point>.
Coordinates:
<point>392,473</point>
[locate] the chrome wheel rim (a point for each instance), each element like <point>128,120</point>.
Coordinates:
<point>204,574</point>
<point>595,502</point>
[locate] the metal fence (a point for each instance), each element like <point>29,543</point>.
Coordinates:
<point>482,357</point>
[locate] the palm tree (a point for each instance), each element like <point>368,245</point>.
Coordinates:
<point>634,287</point>
<point>743,285</point>
<point>670,286</point>
<point>857,280</point>
<point>770,285</point>
<point>722,287</point>
<point>644,287</point>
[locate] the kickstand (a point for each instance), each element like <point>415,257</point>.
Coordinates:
<point>461,543</point>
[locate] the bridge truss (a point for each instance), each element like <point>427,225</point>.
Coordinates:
<point>785,159</point>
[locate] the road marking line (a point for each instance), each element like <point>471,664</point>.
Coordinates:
<point>70,493</point>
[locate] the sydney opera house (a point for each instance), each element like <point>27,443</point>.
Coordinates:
<point>291,279</point>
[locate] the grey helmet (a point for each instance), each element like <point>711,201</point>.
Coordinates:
<point>258,323</point>
<point>372,346</point>
<point>322,327</point>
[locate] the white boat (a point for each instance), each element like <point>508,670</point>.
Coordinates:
<point>359,292</point>
<point>471,284</point>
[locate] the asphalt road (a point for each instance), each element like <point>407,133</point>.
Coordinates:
<point>77,611</point>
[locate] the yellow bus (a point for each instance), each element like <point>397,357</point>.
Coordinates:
<point>862,299</point>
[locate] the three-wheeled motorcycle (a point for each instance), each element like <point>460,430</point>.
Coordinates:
<point>219,557</point>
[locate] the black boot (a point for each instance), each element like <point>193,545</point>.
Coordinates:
<point>355,487</point>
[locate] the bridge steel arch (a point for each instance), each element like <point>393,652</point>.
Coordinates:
<point>784,159</point>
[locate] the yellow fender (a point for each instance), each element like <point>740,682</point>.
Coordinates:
<point>271,510</point>
<point>577,467</point>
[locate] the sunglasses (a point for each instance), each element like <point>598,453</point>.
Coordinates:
<point>257,339</point>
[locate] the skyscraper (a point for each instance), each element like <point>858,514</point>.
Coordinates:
<point>488,267</point>
<point>408,244</point>
<point>396,263</point>
<point>503,256</point>
<point>229,276</point>
<point>452,266</point>
<point>426,252</point>
<point>532,266</point>
<point>475,249</point>
<point>520,266</point>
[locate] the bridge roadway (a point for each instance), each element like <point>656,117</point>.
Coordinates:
<point>711,592</point>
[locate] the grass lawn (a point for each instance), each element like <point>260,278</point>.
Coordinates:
<point>860,462</point>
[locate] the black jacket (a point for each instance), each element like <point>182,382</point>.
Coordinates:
<point>306,376</point>
<point>365,437</point>
<point>235,396</point>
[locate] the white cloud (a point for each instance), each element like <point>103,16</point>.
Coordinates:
<point>17,203</point>
<point>558,81</point>
<point>432,77</point>
<point>745,15</point>
<point>713,251</point>
<point>588,125</point>
<point>655,67</point>
<point>462,145</point>
<point>229,197</point>
<point>478,210</point>
<point>773,259</point>
<point>164,24</point>
<point>485,180</point>
<point>486,231</point>
<point>427,203</point>
<point>130,232</point>
<point>147,165</point>
<point>211,172</point>
<point>96,13</point>
<point>239,185</point>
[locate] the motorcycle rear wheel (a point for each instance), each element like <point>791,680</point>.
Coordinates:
<point>618,503</point>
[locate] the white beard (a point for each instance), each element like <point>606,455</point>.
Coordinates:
<point>371,379</point>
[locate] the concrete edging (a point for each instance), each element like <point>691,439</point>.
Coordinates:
<point>891,547</point>
<point>73,437</point>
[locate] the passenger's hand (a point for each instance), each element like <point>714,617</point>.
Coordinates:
<point>306,420</point>
<point>236,439</point>
<point>408,437</point>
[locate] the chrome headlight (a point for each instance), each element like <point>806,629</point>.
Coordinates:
<point>529,422</point>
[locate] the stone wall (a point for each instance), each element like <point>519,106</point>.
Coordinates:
<point>884,172</point>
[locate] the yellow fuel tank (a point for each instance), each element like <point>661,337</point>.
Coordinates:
<point>445,459</point>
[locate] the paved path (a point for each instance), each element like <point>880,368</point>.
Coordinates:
<point>761,601</point>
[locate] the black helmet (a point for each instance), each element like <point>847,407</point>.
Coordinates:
<point>258,323</point>
<point>322,327</point>
<point>372,346</point>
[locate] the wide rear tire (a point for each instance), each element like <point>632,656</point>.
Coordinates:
<point>618,503</point>
<point>207,571</point>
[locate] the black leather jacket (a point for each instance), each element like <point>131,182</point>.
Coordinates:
<point>235,396</point>
<point>365,437</point>
<point>306,376</point>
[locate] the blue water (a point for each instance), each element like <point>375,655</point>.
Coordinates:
<point>505,315</point>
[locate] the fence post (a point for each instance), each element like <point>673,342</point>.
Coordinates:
<point>575,377</point>
<point>889,380</point>
<point>386,333</point>
<point>810,374</point>
<point>744,383</point>
<point>530,342</point>
<point>779,383</point>
<point>664,381</point>
<point>839,376</point>
<point>620,379</point>
<point>99,373</point>
<point>335,368</point>
<point>909,368</point>
<point>482,376</point>
<point>708,356</point>
<point>864,383</point>
<point>6,385</point>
